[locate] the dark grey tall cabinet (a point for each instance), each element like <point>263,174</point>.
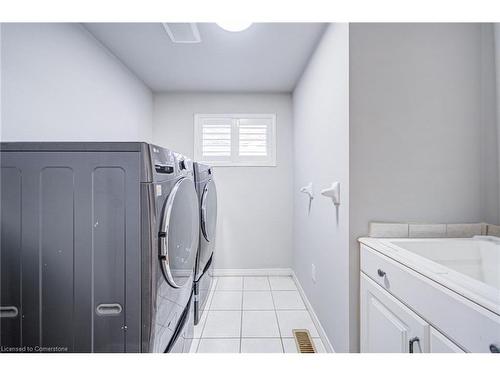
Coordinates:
<point>70,257</point>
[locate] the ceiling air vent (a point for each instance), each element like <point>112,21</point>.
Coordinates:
<point>183,32</point>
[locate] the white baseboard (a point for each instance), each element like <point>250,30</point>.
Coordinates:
<point>328,345</point>
<point>253,272</point>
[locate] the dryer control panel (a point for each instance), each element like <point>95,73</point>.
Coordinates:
<point>163,162</point>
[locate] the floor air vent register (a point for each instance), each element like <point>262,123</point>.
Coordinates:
<point>303,341</point>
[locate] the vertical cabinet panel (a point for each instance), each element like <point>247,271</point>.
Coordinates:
<point>70,221</point>
<point>108,246</point>
<point>56,234</point>
<point>388,326</point>
<point>10,257</point>
<point>441,344</point>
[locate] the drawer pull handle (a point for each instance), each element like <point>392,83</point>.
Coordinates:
<point>494,348</point>
<point>109,309</point>
<point>412,342</point>
<point>381,273</point>
<point>8,311</point>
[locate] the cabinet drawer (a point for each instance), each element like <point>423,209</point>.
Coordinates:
<point>466,323</point>
<point>441,344</point>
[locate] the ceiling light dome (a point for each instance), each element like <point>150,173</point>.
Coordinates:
<point>234,26</point>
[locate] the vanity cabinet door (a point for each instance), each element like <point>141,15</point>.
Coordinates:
<point>388,326</point>
<point>441,344</point>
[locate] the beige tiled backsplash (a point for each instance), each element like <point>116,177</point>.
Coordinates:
<point>416,230</point>
<point>493,230</point>
<point>389,230</point>
<point>427,230</point>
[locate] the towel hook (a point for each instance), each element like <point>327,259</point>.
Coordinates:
<point>333,192</point>
<point>308,189</point>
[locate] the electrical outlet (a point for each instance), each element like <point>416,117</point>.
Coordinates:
<point>313,273</point>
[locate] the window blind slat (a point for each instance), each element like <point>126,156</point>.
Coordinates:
<point>253,140</point>
<point>216,140</point>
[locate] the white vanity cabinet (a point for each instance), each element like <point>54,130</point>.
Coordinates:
<point>439,343</point>
<point>403,311</point>
<point>387,325</point>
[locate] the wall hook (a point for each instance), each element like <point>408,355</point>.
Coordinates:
<point>333,192</point>
<point>308,190</point>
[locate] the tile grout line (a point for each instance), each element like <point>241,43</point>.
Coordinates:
<point>242,289</point>
<point>276,316</point>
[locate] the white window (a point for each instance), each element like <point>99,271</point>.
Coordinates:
<point>235,139</point>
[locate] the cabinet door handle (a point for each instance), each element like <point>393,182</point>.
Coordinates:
<point>381,273</point>
<point>412,342</point>
<point>494,348</point>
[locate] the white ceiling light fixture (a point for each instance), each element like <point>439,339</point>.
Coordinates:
<point>234,26</point>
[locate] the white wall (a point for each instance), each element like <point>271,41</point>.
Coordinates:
<point>254,203</point>
<point>60,84</point>
<point>496,44</point>
<point>321,156</point>
<point>490,203</point>
<point>418,112</point>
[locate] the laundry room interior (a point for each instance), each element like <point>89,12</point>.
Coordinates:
<point>284,144</point>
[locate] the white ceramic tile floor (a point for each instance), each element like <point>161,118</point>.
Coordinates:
<point>289,320</point>
<point>253,315</point>
<point>222,324</point>
<point>226,300</point>
<point>282,283</point>
<point>219,346</point>
<point>254,300</point>
<point>256,283</point>
<point>229,283</point>
<point>261,346</point>
<point>259,324</point>
<point>288,300</point>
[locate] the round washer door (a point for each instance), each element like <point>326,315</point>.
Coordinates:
<point>179,233</point>
<point>209,211</point>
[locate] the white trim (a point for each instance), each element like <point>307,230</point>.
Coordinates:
<point>253,272</point>
<point>233,160</point>
<point>328,345</point>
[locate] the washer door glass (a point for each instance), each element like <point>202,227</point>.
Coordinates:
<point>179,233</point>
<point>209,211</point>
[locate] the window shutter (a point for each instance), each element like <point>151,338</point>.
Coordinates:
<point>235,139</point>
<point>213,139</point>
<point>252,139</point>
<point>216,140</point>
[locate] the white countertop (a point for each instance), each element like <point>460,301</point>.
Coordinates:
<point>468,266</point>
